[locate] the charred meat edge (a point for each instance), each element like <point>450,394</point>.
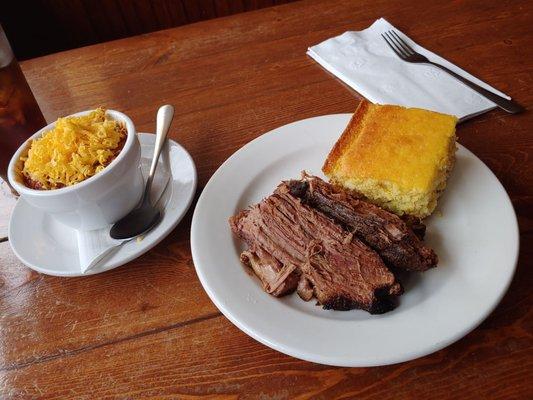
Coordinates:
<point>383,231</point>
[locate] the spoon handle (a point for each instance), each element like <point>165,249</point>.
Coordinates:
<point>163,120</point>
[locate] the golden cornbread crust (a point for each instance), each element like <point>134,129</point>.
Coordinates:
<point>346,138</point>
<point>398,158</point>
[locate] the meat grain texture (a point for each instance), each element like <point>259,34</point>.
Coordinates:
<point>318,240</point>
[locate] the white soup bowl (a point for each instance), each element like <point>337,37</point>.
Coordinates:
<point>98,201</point>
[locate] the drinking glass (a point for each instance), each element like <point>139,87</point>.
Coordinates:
<point>20,115</point>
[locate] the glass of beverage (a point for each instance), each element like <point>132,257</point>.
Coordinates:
<point>20,116</point>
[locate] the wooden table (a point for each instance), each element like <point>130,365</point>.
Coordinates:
<point>148,328</point>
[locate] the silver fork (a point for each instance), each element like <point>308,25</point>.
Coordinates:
<point>406,53</point>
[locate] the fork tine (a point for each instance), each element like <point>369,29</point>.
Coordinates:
<point>408,49</point>
<point>396,50</point>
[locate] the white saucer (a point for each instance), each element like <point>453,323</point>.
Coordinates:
<point>50,247</point>
<point>475,235</point>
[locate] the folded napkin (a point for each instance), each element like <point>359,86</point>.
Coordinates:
<point>96,245</point>
<point>364,61</point>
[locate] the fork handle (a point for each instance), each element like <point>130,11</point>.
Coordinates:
<point>507,105</point>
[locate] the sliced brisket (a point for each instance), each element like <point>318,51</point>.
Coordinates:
<point>340,270</point>
<point>383,231</point>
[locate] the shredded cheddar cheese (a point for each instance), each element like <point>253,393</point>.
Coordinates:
<point>76,149</point>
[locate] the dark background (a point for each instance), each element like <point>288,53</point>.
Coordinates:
<point>39,27</point>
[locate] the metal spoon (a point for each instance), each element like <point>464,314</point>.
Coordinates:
<point>144,217</point>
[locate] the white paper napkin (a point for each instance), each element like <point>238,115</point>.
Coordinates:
<point>96,245</point>
<point>364,61</point>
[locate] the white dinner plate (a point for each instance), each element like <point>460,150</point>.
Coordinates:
<point>474,233</point>
<point>49,247</point>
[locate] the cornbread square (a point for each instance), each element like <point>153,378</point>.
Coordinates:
<point>398,158</point>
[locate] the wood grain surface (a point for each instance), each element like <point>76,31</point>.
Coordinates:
<point>148,329</point>
<point>56,25</point>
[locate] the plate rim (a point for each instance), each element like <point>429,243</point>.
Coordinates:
<point>129,257</point>
<point>317,358</point>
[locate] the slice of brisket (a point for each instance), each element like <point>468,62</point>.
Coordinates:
<point>383,231</point>
<point>343,272</point>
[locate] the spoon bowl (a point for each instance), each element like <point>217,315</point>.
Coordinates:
<point>136,222</point>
